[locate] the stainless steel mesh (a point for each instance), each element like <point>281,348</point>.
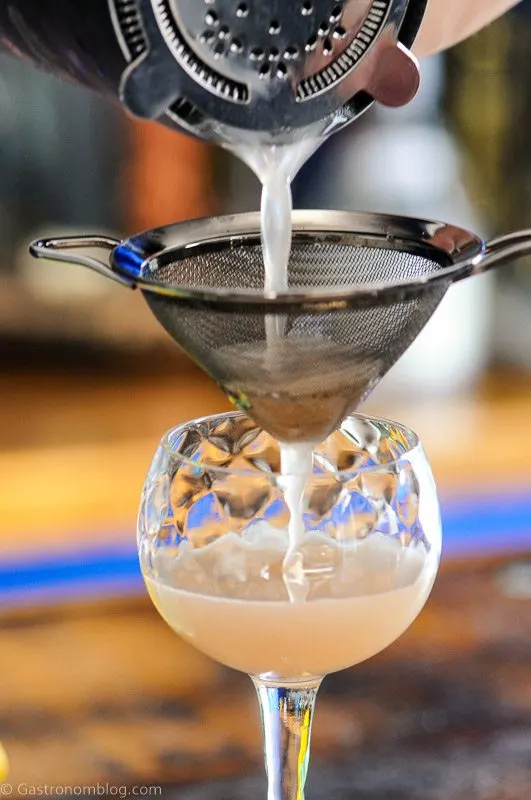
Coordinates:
<point>312,264</point>
<point>296,373</point>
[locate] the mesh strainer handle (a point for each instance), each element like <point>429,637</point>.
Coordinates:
<point>497,252</point>
<point>52,250</point>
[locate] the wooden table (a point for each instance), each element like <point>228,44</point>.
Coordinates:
<point>105,692</point>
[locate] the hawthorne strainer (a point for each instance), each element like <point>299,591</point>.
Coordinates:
<point>243,71</point>
<point>361,288</point>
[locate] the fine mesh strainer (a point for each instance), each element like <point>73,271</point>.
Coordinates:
<point>361,288</point>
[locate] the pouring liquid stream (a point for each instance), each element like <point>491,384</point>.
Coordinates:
<point>276,167</point>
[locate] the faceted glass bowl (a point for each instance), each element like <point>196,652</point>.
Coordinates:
<point>221,474</point>
<point>371,520</point>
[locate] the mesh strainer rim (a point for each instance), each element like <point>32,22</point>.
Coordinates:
<point>458,248</point>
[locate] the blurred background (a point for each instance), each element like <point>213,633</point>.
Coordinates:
<point>88,382</point>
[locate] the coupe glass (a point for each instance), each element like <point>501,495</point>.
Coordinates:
<point>212,536</point>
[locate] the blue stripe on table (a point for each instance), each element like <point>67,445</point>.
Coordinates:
<point>472,525</point>
<point>78,572</point>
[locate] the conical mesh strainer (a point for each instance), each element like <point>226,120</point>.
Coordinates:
<point>361,288</point>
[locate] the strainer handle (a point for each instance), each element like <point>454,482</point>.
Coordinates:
<point>52,249</point>
<point>500,251</point>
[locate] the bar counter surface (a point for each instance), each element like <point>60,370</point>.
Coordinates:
<point>97,690</point>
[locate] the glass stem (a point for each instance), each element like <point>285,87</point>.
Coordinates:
<point>287,715</point>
